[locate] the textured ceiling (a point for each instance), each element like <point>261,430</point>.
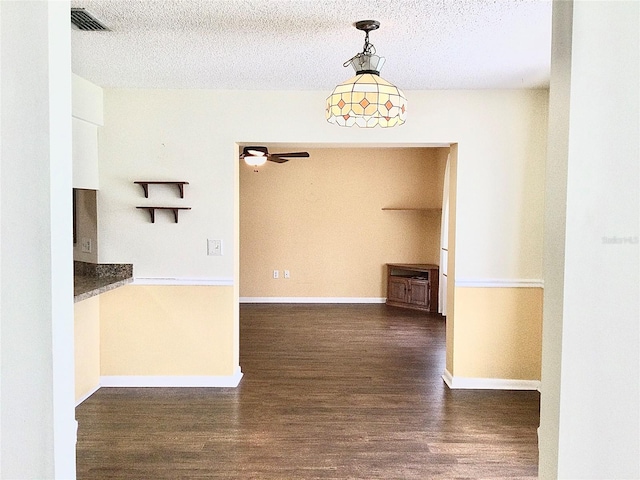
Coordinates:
<point>302,44</point>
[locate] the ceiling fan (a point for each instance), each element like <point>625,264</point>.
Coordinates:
<point>256,156</point>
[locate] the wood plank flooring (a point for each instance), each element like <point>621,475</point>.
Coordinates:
<point>329,392</point>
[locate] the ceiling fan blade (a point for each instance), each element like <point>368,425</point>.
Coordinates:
<point>277,159</point>
<point>292,155</point>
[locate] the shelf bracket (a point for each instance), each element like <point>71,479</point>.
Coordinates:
<point>175,214</point>
<point>145,188</point>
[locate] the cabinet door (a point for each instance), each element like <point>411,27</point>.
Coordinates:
<point>419,293</point>
<point>398,289</point>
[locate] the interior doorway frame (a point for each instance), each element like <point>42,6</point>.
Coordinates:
<point>284,146</point>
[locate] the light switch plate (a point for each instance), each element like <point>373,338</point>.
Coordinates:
<point>214,247</point>
<point>85,245</point>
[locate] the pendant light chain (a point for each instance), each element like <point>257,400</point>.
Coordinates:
<point>367,50</point>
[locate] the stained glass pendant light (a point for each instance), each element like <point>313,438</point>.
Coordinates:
<point>366,100</point>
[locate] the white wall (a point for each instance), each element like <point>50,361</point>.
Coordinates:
<point>36,278</point>
<point>591,375</point>
<point>87,108</point>
<point>87,101</point>
<point>190,135</point>
<point>85,155</point>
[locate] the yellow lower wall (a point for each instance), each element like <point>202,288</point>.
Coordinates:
<point>167,330</point>
<point>185,330</point>
<point>497,333</point>
<point>87,346</point>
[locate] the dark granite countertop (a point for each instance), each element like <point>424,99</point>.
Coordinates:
<point>92,279</point>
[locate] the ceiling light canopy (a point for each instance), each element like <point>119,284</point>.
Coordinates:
<point>366,100</point>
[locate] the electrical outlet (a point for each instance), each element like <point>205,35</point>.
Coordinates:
<point>85,245</point>
<point>287,274</point>
<point>276,274</point>
<point>214,247</point>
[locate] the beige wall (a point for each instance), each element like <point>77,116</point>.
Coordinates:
<point>167,331</point>
<point>321,218</point>
<point>87,346</point>
<point>498,333</point>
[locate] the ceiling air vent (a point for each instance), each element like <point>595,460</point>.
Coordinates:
<point>85,21</point>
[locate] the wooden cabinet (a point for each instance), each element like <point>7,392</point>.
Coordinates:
<point>412,291</point>
<point>397,289</point>
<point>413,286</point>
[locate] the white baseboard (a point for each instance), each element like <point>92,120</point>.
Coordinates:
<point>488,383</point>
<point>230,381</point>
<point>87,395</point>
<point>172,381</point>
<point>312,300</point>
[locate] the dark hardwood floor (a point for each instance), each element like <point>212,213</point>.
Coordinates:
<point>329,392</point>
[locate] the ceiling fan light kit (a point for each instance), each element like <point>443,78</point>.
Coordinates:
<point>366,100</point>
<point>255,160</point>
